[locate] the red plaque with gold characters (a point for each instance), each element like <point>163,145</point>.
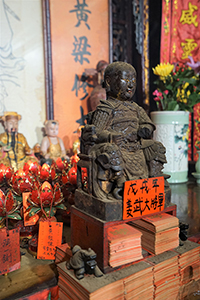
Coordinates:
<point>143,197</point>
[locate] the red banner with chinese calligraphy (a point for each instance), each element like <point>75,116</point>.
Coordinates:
<point>194,133</point>
<point>180,38</point>
<point>9,250</point>
<point>143,197</point>
<point>180,31</point>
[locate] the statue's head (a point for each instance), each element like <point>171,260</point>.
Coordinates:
<point>11,119</point>
<point>51,128</point>
<point>120,81</point>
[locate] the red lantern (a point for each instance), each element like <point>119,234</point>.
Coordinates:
<point>5,173</point>
<point>64,178</point>
<point>72,174</point>
<point>46,194</point>
<point>2,204</point>
<point>34,196</point>
<point>21,182</point>
<point>47,172</point>
<point>32,167</point>
<point>61,164</point>
<point>7,203</point>
<point>57,196</point>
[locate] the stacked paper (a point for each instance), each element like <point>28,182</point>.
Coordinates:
<point>189,261</point>
<point>160,232</point>
<point>124,245</point>
<point>63,253</point>
<point>166,275</point>
<point>134,282</point>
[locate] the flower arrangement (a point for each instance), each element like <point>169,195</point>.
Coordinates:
<point>45,200</point>
<point>8,207</point>
<point>178,87</point>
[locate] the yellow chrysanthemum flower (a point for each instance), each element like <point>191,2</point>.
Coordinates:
<point>163,70</point>
<point>181,93</point>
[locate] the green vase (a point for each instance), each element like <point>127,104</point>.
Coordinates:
<point>172,128</point>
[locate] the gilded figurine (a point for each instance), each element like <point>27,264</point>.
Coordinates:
<point>15,150</point>
<point>52,146</point>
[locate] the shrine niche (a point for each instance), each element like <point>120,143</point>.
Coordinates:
<point>130,40</point>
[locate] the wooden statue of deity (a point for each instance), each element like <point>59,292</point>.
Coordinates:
<point>118,137</point>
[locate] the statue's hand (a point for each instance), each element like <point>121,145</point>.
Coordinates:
<point>117,138</point>
<point>6,148</point>
<point>89,134</point>
<point>29,152</point>
<point>144,133</point>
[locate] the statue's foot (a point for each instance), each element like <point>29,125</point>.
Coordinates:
<point>68,265</point>
<point>97,272</point>
<point>79,275</point>
<point>117,193</point>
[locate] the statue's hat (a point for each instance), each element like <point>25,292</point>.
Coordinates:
<point>10,114</point>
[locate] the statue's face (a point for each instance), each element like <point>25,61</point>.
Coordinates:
<point>123,86</point>
<point>11,125</point>
<point>52,130</point>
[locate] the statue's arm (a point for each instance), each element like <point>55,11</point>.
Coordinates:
<point>101,122</point>
<point>44,147</point>
<point>146,126</point>
<point>27,149</point>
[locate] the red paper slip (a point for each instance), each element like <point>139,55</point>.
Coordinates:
<point>9,250</point>
<point>50,236</point>
<point>143,197</point>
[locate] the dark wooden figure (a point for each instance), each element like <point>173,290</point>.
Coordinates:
<point>116,146</point>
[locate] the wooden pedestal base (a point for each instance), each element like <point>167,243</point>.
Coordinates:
<point>91,232</point>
